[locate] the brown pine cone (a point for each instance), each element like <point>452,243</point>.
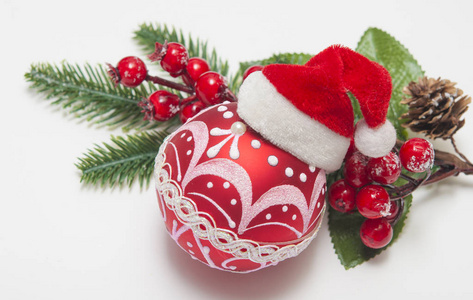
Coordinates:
<point>435,107</point>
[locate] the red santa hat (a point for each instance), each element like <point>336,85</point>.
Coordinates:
<point>306,111</point>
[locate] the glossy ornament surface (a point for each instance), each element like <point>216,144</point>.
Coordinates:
<point>233,200</point>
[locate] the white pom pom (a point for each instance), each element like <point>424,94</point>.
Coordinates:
<point>375,142</point>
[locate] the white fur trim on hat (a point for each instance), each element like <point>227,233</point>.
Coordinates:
<point>280,122</point>
<point>375,142</point>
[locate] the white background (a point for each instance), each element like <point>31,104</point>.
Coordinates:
<point>62,240</point>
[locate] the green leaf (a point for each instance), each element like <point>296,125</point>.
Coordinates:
<point>123,161</point>
<point>384,49</point>
<point>88,93</point>
<point>345,234</point>
<point>148,34</point>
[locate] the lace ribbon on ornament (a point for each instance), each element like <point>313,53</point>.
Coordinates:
<point>204,226</point>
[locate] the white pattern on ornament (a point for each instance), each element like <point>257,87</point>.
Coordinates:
<point>179,175</point>
<point>236,130</point>
<point>232,268</point>
<point>231,223</point>
<point>203,225</point>
<point>204,250</point>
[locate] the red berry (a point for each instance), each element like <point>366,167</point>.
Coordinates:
<point>384,170</point>
<point>373,202</point>
<point>175,59</point>
<point>355,170</point>
<point>190,110</point>
<point>417,155</point>
<point>393,211</point>
<point>376,233</point>
<point>351,149</point>
<point>165,105</point>
<point>251,70</point>
<point>130,71</point>
<point>210,88</point>
<point>342,196</point>
<point>196,67</point>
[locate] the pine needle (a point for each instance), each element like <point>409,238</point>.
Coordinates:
<point>88,93</point>
<point>122,161</point>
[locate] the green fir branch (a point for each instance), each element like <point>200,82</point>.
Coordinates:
<point>123,161</point>
<point>282,58</point>
<point>88,93</point>
<point>148,34</point>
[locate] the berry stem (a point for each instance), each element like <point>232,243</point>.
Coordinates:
<point>187,100</point>
<point>399,213</point>
<point>228,95</point>
<point>170,84</point>
<point>458,152</point>
<point>409,178</point>
<point>449,165</point>
<point>399,192</point>
<point>188,79</point>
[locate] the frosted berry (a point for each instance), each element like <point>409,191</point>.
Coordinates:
<point>351,149</point>
<point>175,60</point>
<point>190,110</point>
<point>342,196</point>
<point>210,88</point>
<point>160,106</point>
<point>417,155</point>
<point>196,67</point>
<point>173,57</point>
<point>130,71</point>
<point>355,170</point>
<point>251,70</point>
<point>393,211</point>
<point>373,202</point>
<point>376,233</point>
<point>385,169</point>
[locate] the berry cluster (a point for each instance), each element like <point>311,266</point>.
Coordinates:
<point>368,186</point>
<point>205,88</point>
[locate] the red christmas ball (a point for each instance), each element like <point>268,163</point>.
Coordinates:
<point>233,200</point>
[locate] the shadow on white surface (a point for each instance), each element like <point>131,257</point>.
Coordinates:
<point>268,283</point>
